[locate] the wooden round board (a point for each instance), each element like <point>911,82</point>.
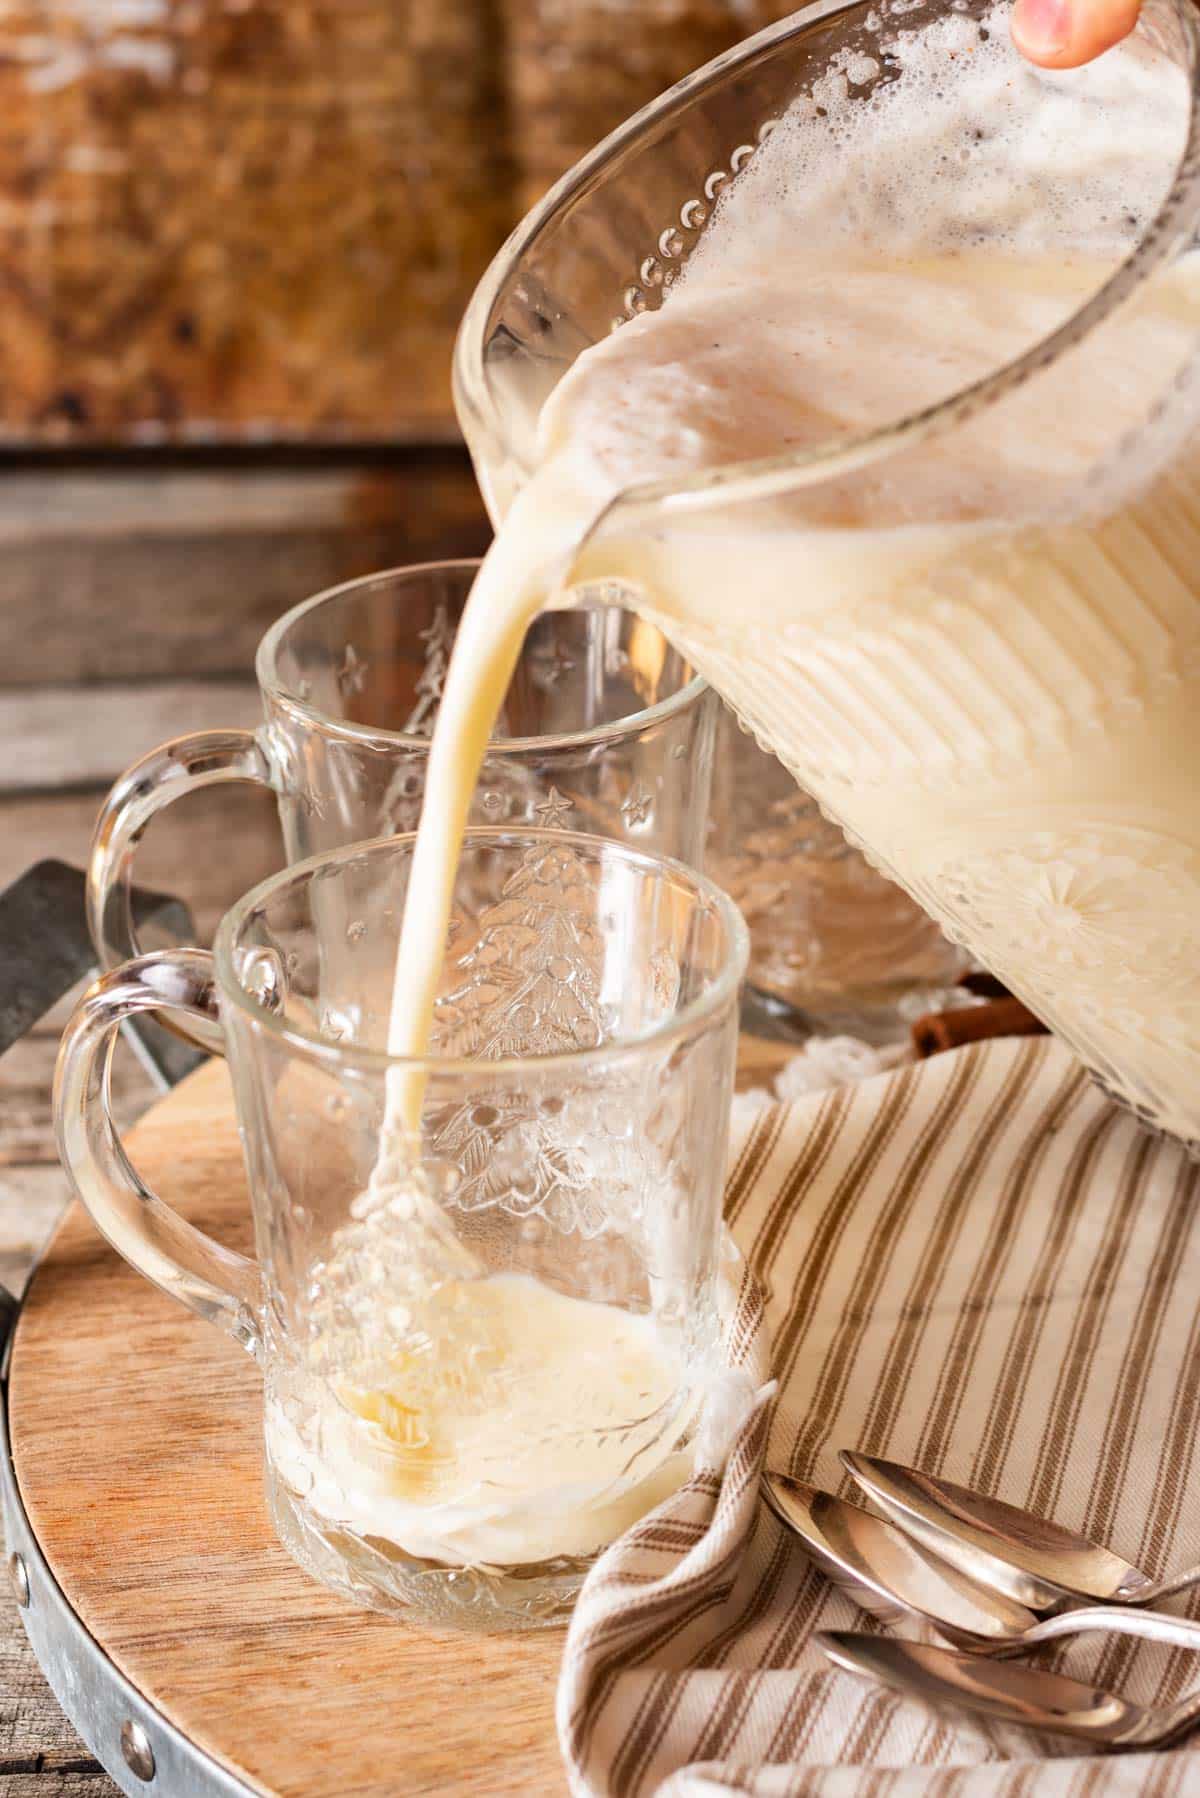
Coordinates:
<point>136,1440</point>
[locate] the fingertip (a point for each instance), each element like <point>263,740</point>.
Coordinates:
<point>1063,34</point>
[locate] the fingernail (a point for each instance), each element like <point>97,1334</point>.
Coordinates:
<point>1042,27</point>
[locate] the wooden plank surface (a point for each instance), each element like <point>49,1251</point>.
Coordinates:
<point>40,1754</point>
<point>54,737</point>
<point>242,220</point>
<point>209,848</point>
<point>33,1188</point>
<point>126,574</point>
<point>124,1406</point>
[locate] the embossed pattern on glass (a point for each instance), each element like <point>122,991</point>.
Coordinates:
<point>1016,743</point>
<point>604,729</point>
<point>573,1141</point>
<point>834,945</point>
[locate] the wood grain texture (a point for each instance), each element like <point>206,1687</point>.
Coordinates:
<point>33,1187</point>
<point>244,219</point>
<point>52,737</point>
<point>209,848</point>
<point>125,575</point>
<point>137,1444</point>
<point>26,1124</point>
<point>40,1754</point>
<point>32,1199</point>
<point>575,73</point>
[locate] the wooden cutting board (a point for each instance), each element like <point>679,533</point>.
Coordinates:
<point>136,1440</point>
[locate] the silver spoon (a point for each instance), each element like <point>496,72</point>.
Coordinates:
<point>886,1574</point>
<point>1008,1691</point>
<point>1037,1563</point>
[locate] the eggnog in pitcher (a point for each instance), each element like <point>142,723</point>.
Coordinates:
<point>981,648</point>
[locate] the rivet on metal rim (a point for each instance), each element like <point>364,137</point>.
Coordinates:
<point>135,1746</point>
<point>18,1579</point>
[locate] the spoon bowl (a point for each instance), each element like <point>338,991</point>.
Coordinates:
<point>888,1574</point>
<point>1025,1558</point>
<point>1008,1691</point>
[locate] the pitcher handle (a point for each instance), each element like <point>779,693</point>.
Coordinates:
<point>182,1261</point>
<point>203,759</point>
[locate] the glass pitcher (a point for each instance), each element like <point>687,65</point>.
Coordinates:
<point>1017,741</point>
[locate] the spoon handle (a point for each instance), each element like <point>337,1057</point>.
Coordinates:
<point>1168,1588</point>
<point>1122,1620</point>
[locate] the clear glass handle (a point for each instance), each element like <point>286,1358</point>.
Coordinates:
<point>180,766</point>
<point>222,1286</point>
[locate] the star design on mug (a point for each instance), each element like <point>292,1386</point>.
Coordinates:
<point>352,675</point>
<point>637,806</point>
<point>553,667</point>
<point>554,810</point>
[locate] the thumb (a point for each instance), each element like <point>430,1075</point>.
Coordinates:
<point>1061,34</point>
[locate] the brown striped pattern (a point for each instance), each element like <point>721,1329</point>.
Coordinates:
<point>978,1265</point>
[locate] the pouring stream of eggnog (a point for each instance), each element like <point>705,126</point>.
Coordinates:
<point>515,580</point>
<point>983,660</point>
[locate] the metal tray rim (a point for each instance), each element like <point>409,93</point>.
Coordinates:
<point>139,1748</point>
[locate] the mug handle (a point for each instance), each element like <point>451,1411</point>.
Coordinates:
<point>220,1285</point>
<point>205,758</point>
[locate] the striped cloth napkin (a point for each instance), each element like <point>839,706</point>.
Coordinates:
<point>977,1264</point>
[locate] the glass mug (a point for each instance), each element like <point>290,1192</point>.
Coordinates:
<point>1006,722</point>
<point>479,1373</point>
<point>605,729</point>
<point>835,947</point>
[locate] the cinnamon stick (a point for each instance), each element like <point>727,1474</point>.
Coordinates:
<point>983,985</point>
<point>940,1030</point>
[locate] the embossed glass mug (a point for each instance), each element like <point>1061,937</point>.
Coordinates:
<point>835,946</point>
<point>604,729</point>
<point>1008,725</point>
<point>478,1375</point>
